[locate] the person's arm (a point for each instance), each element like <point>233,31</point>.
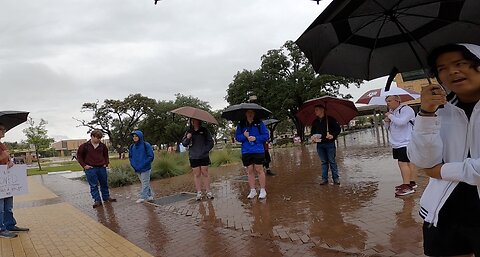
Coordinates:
<point>239,136</point>
<point>406,115</point>
<point>81,154</point>
<point>263,136</point>
<point>150,155</point>
<point>334,127</point>
<point>314,129</point>
<point>425,148</point>
<point>210,142</point>
<point>105,155</point>
<point>186,140</point>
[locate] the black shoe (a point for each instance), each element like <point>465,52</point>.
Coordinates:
<point>7,234</point>
<point>324,182</point>
<point>270,173</point>
<point>96,204</point>
<point>18,229</point>
<point>336,182</point>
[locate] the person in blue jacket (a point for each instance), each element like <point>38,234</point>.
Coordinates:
<point>253,134</point>
<point>141,157</point>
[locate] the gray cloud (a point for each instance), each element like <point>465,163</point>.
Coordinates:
<point>56,55</point>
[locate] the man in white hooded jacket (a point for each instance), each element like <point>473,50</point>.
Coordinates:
<point>445,145</point>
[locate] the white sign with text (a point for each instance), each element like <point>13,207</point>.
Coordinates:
<point>13,181</point>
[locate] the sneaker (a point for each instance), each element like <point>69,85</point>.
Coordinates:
<point>336,182</point>
<point>404,190</point>
<point>324,182</point>
<point>18,229</point>
<point>210,195</point>
<point>413,184</point>
<point>262,194</point>
<point>150,198</point>
<point>199,196</point>
<point>252,194</point>
<point>96,204</point>
<point>7,234</point>
<point>141,200</point>
<point>398,187</point>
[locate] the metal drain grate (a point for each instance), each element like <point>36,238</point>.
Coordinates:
<point>173,198</point>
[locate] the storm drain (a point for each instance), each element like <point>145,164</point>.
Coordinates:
<point>173,198</point>
<point>243,178</point>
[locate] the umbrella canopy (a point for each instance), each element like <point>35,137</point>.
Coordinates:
<point>11,119</point>
<point>342,110</point>
<point>270,122</point>
<point>377,96</point>
<point>365,39</point>
<point>237,112</point>
<point>195,113</point>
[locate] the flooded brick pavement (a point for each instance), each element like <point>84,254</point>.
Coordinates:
<point>361,217</point>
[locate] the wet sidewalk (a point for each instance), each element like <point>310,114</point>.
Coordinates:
<point>361,217</point>
<point>59,229</point>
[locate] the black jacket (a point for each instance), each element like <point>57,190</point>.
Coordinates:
<point>319,126</point>
<point>200,144</point>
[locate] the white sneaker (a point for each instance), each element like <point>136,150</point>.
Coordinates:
<point>199,196</point>
<point>141,200</point>
<point>262,194</point>
<point>252,194</point>
<point>210,195</point>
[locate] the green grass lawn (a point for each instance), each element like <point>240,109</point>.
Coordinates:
<point>67,165</point>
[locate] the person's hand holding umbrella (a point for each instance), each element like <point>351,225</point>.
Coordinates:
<point>432,97</point>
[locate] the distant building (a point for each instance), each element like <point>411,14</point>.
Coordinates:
<point>66,147</point>
<point>413,80</point>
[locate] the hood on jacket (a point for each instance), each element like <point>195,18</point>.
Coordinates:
<point>140,136</point>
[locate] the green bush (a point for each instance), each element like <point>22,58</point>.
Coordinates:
<point>170,165</point>
<point>121,175</point>
<point>225,156</point>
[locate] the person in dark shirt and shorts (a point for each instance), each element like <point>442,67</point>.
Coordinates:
<point>93,157</point>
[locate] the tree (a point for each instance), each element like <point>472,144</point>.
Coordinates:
<point>284,81</point>
<point>118,118</point>
<point>37,137</point>
<point>163,127</point>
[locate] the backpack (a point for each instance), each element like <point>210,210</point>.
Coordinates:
<point>412,122</point>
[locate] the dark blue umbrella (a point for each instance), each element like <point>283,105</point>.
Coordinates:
<point>11,119</point>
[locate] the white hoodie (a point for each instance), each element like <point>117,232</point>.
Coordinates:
<point>400,126</point>
<point>447,138</point>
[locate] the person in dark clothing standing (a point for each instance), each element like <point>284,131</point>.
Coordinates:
<point>93,157</point>
<point>325,130</point>
<point>199,142</point>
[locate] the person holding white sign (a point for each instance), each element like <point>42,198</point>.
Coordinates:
<point>7,221</point>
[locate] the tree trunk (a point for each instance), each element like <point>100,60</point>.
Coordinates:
<point>38,159</point>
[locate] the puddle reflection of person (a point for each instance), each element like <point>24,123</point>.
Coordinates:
<point>406,233</point>
<point>107,217</point>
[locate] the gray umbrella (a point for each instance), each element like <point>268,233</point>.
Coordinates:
<point>269,122</point>
<point>366,39</point>
<point>237,112</point>
<point>11,119</point>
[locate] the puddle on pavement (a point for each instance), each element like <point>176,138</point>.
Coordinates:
<point>173,198</point>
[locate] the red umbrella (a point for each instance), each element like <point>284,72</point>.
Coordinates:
<point>342,110</point>
<point>195,113</point>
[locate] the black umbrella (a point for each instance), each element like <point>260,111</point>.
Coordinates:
<point>11,119</point>
<point>269,122</point>
<point>365,39</point>
<point>237,112</point>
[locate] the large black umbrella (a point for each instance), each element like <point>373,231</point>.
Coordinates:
<point>366,39</point>
<point>11,119</point>
<point>237,112</point>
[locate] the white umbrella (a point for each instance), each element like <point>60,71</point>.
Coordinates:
<point>377,96</point>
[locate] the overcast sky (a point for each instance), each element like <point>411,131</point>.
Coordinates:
<point>56,55</point>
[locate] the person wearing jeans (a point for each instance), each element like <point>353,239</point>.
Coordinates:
<point>141,157</point>
<point>8,224</point>
<point>93,157</point>
<point>325,130</point>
